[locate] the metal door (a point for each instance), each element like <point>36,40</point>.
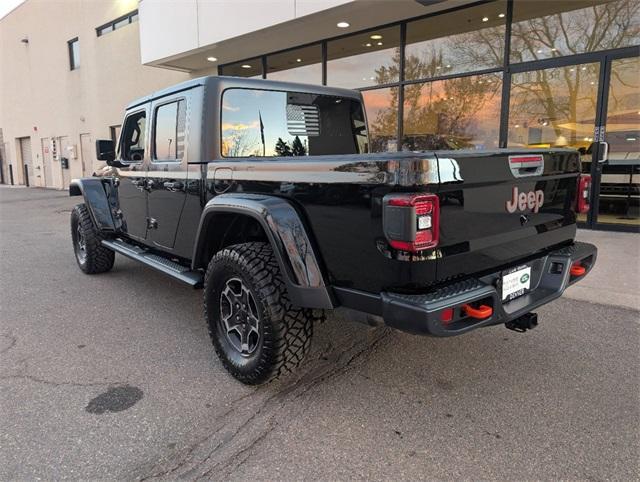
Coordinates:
<point>167,175</point>
<point>27,161</point>
<point>63,156</point>
<point>87,154</point>
<point>47,162</point>
<point>132,173</point>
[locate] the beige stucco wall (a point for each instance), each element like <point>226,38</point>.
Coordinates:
<point>41,98</point>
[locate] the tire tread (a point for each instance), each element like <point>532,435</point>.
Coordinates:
<point>99,258</point>
<point>292,326</point>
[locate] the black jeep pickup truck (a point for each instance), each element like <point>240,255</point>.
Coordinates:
<point>265,194</point>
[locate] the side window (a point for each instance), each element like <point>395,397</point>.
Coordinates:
<point>168,140</point>
<point>266,123</point>
<point>133,133</point>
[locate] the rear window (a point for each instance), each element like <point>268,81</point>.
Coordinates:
<point>267,123</point>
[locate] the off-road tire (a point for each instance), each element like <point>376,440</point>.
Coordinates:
<point>285,330</point>
<point>95,258</point>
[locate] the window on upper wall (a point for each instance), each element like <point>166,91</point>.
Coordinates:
<point>461,41</point>
<point>366,59</point>
<point>117,23</point>
<point>551,29</point>
<point>382,115</point>
<point>249,68</point>
<point>73,47</point>
<point>275,123</point>
<point>299,65</point>
<point>460,113</point>
<point>168,138</point>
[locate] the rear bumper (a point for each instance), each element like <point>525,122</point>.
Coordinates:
<point>423,313</point>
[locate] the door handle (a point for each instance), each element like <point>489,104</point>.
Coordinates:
<point>222,179</point>
<point>173,185</point>
<point>604,152</point>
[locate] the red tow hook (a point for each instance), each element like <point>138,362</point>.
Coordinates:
<point>577,270</point>
<point>480,313</point>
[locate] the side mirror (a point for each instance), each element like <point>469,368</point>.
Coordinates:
<point>105,151</point>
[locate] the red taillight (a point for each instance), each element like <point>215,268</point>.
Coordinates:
<point>411,221</point>
<point>584,193</point>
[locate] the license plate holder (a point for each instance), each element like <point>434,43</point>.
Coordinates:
<point>516,282</point>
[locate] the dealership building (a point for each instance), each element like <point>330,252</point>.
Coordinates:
<point>434,74</point>
<point>67,69</point>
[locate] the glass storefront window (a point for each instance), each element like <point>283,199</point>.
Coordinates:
<point>367,59</point>
<point>382,114</point>
<point>299,65</point>
<point>623,112</point>
<point>552,29</point>
<point>620,185</point>
<point>461,41</point>
<point>554,107</point>
<point>248,68</point>
<point>461,113</point>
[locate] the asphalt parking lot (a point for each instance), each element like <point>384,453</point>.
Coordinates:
<point>113,377</point>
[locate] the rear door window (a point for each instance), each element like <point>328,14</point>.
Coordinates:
<point>168,138</point>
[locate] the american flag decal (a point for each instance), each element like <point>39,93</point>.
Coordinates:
<point>303,120</point>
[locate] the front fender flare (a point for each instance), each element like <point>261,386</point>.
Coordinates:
<point>288,237</point>
<point>96,200</point>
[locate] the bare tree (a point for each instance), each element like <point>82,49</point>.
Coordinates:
<point>240,143</point>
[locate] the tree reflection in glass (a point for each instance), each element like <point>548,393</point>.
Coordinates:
<point>447,114</point>
<point>554,107</point>
<point>546,29</point>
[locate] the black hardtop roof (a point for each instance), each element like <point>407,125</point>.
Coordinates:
<point>225,82</point>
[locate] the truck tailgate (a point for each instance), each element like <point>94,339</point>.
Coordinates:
<point>497,208</point>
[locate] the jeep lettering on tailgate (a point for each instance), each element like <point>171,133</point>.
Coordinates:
<point>525,200</point>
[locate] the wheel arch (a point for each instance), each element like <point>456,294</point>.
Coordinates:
<point>228,217</point>
<point>97,202</point>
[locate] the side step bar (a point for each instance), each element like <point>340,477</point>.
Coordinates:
<point>171,268</point>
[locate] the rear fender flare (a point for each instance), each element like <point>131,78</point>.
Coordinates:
<point>287,235</point>
<point>96,200</point>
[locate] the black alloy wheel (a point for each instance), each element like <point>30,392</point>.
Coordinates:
<point>256,331</point>
<point>239,317</point>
